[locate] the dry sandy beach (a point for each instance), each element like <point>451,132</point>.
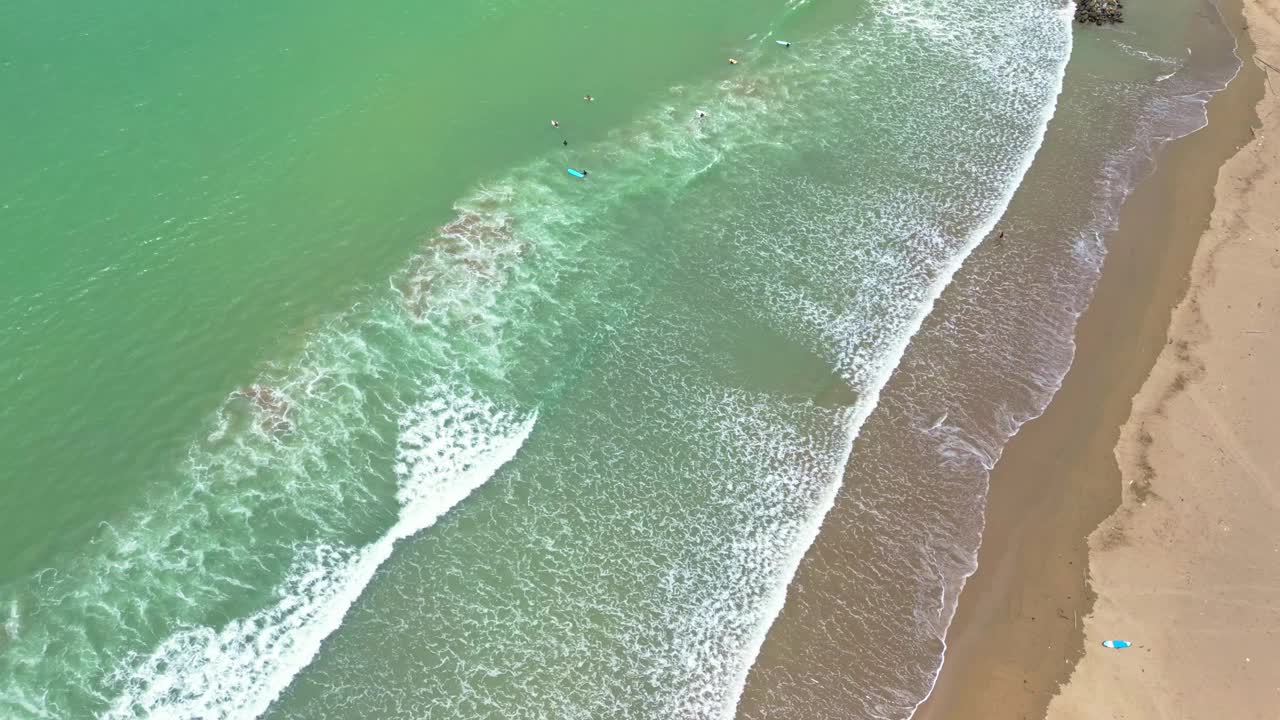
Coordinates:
<point>1188,566</point>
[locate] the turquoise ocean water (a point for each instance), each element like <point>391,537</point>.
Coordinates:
<point>329,394</point>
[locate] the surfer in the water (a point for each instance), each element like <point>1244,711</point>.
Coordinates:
<point>732,61</point>
<point>588,98</point>
<point>555,123</point>
<point>702,114</point>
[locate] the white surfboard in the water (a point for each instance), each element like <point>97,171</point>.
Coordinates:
<point>783,43</point>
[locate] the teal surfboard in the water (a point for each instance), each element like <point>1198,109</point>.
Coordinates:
<point>576,173</point>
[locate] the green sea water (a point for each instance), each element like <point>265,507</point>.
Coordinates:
<point>187,189</point>
<point>329,394</point>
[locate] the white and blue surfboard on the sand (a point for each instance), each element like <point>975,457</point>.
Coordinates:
<point>1116,644</point>
<point>575,173</point>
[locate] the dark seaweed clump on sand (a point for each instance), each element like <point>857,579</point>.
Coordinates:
<point>1099,12</point>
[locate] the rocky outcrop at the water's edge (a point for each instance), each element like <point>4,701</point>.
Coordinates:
<point>1099,12</point>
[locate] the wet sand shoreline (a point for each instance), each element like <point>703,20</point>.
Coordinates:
<point>1018,632</point>
<point>919,489</point>
<point>1186,567</point>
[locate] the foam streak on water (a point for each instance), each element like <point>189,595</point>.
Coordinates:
<point>209,598</point>
<point>890,361</point>
<point>236,671</point>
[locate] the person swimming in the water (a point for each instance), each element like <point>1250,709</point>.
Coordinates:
<point>702,114</point>
<point>566,143</point>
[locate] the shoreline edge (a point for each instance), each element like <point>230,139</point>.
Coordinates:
<point>1023,618</point>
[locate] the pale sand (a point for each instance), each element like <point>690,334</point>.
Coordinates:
<point>1188,568</point>
<point>1019,629</point>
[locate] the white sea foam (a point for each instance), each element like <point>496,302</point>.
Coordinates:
<point>884,367</point>
<point>12,624</point>
<point>513,253</point>
<point>785,482</point>
<point>449,446</point>
<point>1150,57</point>
<point>770,474</point>
<point>279,500</point>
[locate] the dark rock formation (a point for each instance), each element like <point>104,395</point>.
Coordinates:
<point>1099,12</point>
